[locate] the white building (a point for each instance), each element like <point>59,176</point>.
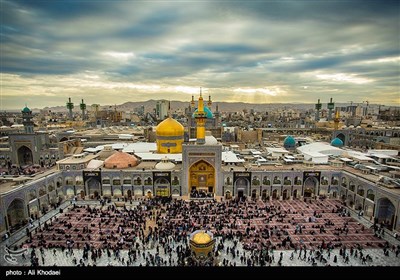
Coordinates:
<point>319,152</point>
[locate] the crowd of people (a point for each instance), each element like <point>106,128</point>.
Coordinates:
<point>155,232</point>
<point>200,194</point>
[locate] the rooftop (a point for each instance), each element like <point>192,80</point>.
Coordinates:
<point>12,182</point>
<point>75,160</point>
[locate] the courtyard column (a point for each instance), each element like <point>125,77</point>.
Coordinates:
<point>39,207</point>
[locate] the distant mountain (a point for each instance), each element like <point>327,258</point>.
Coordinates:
<point>150,105</point>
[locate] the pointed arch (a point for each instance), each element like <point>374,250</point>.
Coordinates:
<point>25,155</point>
<point>16,214</point>
<point>201,178</point>
<point>310,187</point>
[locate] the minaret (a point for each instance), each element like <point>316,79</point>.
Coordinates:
<point>209,102</point>
<point>192,104</point>
<point>70,106</point>
<point>169,110</point>
<point>216,115</point>
<point>83,108</point>
<point>318,107</point>
<point>27,120</point>
<point>200,121</point>
<point>331,106</point>
<point>337,119</point>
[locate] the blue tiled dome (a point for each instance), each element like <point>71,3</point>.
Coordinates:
<point>337,143</point>
<point>289,142</point>
<point>209,114</point>
<point>26,110</point>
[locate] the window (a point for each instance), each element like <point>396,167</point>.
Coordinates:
<point>127,181</point>
<point>277,180</point>
<point>148,181</point>
<point>371,195</point>
<point>42,192</point>
<point>266,181</point>
<point>32,195</point>
<point>175,181</point>
<point>69,181</point>
<point>116,182</point>
<point>255,181</point>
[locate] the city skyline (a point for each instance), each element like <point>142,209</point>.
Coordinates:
<point>110,52</point>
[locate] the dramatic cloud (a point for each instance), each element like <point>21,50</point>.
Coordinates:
<point>111,52</point>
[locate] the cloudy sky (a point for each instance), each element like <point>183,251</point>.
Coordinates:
<point>110,52</point>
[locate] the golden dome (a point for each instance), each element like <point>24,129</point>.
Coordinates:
<point>201,238</point>
<point>169,127</point>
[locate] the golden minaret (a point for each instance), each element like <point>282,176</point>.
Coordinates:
<point>337,119</point>
<point>200,121</point>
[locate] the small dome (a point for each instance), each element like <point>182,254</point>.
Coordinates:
<point>26,110</point>
<point>201,238</point>
<point>170,127</point>
<point>207,112</point>
<point>209,139</point>
<point>289,142</point>
<point>120,160</point>
<point>165,164</point>
<point>337,142</point>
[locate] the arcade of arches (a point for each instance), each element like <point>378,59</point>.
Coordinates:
<point>360,197</point>
<point>202,177</point>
